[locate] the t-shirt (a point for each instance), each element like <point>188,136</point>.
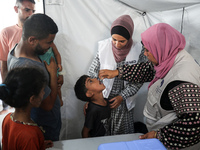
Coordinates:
<point>49,120</point>
<point>98,119</point>
<point>47,57</point>
<point>18,136</point>
<point>8,38</point>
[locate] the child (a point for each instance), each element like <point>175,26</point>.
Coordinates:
<point>97,120</point>
<point>23,89</point>
<point>53,52</point>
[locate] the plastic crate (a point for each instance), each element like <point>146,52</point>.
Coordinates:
<point>145,144</point>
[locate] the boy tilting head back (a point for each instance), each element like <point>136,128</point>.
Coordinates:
<point>97,120</point>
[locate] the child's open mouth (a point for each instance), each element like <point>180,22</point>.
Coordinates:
<point>100,81</point>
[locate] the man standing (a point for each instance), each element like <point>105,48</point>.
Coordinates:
<point>10,36</point>
<point>38,34</point>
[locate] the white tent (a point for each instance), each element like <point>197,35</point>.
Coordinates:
<point>82,23</point>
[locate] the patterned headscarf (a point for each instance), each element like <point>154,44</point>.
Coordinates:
<point>164,42</point>
<point>126,22</point>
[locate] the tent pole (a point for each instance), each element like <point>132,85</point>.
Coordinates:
<point>182,19</point>
<point>44,6</point>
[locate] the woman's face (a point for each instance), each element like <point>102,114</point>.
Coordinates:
<point>150,57</point>
<point>119,41</point>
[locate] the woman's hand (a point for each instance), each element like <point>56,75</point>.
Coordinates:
<point>148,135</point>
<point>108,74</point>
<point>115,102</point>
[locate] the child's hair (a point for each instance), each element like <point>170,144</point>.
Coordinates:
<point>80,89</point>
<point>20,84</point>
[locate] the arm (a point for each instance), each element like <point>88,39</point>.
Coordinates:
<point>4,50</point>
<point>60,81</point>
<point>187,125</point>
<point>113,73</point>
<point>109,74</point>
<point>132,88</point>
<point>57,56</point>
<point>137,73</point>
<point>85,132</point>
<point>4,70</point>
<point>48,103</point>
<point>185,129</point>
<point>94,68</point>
<point>129,90</point>
<point>60,76</point>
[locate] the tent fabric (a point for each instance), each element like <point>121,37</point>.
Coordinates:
<point>158,5</point>
<point>82,23</point>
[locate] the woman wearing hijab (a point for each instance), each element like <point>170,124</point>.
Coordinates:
<point>173,103</point>
<point>114,52</point>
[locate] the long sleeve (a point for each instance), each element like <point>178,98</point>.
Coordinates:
<point>138,73</point>
<point>95,66</point>
<point>185,131</point>
<point>131,89</point>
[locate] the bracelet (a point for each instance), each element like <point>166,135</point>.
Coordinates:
<point>155,134</point>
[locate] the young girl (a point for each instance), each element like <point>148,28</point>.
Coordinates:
<point>23,89</point>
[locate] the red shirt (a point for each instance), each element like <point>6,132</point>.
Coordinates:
<point>18,136</point>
